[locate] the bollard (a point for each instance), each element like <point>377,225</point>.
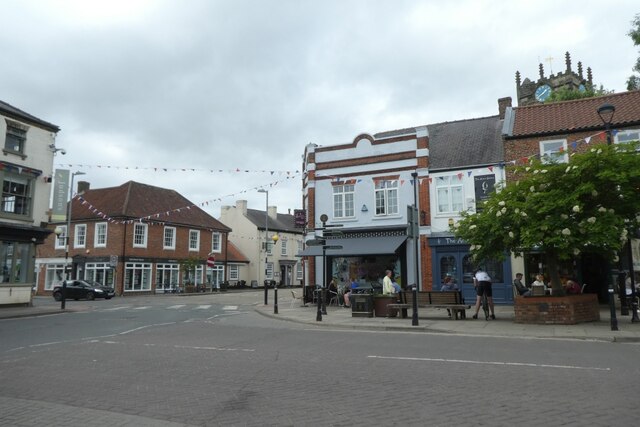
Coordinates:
<point>414,317</point>
<point>266,292</point>
<point>319,313</point>
<point>324,305</point>
<point>275,299</point>
<point>612,306</point>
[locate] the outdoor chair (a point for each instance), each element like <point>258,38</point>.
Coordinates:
<point>333,298</point>
<point>295,298</point>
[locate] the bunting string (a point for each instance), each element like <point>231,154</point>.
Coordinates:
<point>156,218</point>
<point>163,169</point>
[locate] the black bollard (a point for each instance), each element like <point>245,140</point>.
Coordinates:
<point>612,306</point>
<point>266,292</point>
<point>324,304</point>
<point>275,300</point>
<point>319,313</point>
<point>414,317</point>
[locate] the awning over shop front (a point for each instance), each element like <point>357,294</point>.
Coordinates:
<point>358,246</point>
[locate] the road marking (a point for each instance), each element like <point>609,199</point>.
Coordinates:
<point>230,307</point>
<point>213,348</point>
<point>142,308</point>
<point>146,326</point>
<point>203,307</point>
<point>173,307</point>
<point>117,308</point>
<point>479,362</point>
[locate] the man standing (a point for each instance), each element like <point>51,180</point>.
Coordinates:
<point>482,282</point>
<point>387,284</point>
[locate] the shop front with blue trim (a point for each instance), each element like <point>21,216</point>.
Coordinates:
<point>451,256</point>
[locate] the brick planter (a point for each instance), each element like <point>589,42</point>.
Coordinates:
<point>566,310</point>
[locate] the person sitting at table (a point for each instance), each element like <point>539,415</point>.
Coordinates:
<point>521,288</point>
<point>449,284</point>
<point>347,294</point>
<point>572,287</point>
<point>331,290</point>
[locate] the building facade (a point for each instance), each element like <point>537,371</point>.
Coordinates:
<point>136,238</point>
<point>552,132</point>
<point>366,191</point>
<point>278,261</point>
<point>26,169</point>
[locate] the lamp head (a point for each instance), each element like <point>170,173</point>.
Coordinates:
<point>606,112</point>
<point>57,231</point>
<point>275,238</point>
<point>262,190</point>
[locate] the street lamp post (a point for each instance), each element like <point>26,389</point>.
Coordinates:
<point>275,285</point>
<point>266,243</point>
<point>606,112</point>
<point>67,243</point>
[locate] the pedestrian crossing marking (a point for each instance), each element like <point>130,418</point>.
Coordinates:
<point>203,307</point>
<point>117,308</point>
<point>230,307</point>
<point>175,307</point>
<point>142,308</point>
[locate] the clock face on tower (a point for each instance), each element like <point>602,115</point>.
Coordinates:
<point>543,92</point>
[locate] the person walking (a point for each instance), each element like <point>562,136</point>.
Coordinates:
<point>482,283</point>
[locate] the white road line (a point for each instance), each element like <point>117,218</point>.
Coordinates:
<point>479,362</point>
<point>146,326</point>
<point>203,307</point>
<point>230,307</point>
<point>142,308</point>
<point>213,348</point>
<point>117,308</point>
<point>174,307</point>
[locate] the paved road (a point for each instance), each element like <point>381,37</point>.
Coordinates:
<point>176,362</point>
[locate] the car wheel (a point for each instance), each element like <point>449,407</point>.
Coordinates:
<point>57,296</point>
<point>90,296</point>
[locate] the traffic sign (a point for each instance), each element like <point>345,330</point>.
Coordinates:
<point>211,261</point>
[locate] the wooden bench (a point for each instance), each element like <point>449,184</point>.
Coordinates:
<point>451,300</point>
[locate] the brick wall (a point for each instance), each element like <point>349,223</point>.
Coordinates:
<point>567,310</point>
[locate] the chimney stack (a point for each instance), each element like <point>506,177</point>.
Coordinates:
<point>83,186</point>
<point>503,103</point>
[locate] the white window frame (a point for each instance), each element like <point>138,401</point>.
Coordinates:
<point>54,274</point>
<point>344,201</point>
<point>101,229</point>
<point>169,238</point>
<point>78,235</point>
<point>299,271</point>
<point>627,135</point>
<point>131,270</point>
<point>17,133</point>
<point>234,272</point>
<point>216,242</point>
<point>552,154</point>
<point>61,239</point>
<point>447,186</point>
<point>194,240</point>
<point>269,270</point>
<point>386,197</point>
<point>283,248</point>
<point>140,235</point>
<point>17,201</point>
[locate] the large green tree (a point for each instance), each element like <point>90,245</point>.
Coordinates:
<point>589,204</point>
<point>634,80</point>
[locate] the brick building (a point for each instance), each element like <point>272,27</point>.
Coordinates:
<point>552,132</point>
<point>137,238</point>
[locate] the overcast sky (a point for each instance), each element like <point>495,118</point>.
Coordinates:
<point>179,88</point>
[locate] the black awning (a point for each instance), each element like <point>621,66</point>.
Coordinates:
<point>358,246</point>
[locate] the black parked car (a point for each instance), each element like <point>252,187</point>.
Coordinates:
<point>77,289</point>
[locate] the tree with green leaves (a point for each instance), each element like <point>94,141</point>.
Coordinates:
<point>589,204</point>
<point>634,81</point>
<point>566,94</point>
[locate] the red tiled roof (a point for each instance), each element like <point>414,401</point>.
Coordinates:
<point>234,254</point>
<point>576,115</point>
<point>133,200</point>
